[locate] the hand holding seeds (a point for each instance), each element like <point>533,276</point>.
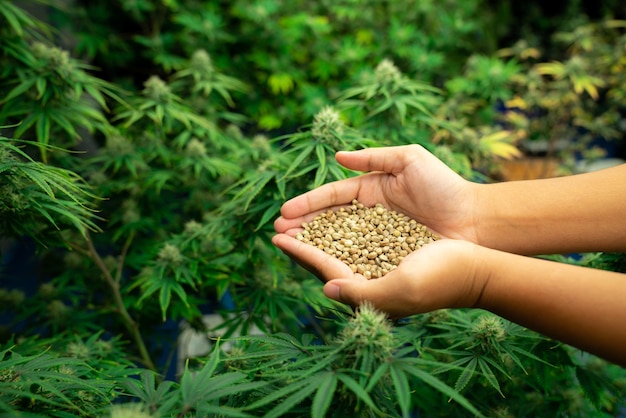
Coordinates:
<point>441,274</point>
<point>406,179</point>
<point>580,306</point>
<point>371,241</point>
<point>370,226</point>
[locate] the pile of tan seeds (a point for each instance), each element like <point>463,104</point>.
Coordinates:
<point>371,241</point>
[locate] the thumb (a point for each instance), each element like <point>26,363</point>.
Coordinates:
<point>352,291</point>
<point>385,159</point>
<point>384,293</point>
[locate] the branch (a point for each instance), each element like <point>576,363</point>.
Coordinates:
<point>120,265</point>
<point>114,285</point>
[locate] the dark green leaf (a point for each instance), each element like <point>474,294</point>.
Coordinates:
<point>324,395</point>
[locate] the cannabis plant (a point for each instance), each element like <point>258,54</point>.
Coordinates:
<point>143,200</point>
<point>574,102</point>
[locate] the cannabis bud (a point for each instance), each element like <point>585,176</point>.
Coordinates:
<point>193,227</point>
<point>327,126</point>
<point>118,145</point>
<point>387,73</point>
<point>156,89</point>
<point>170,254</point>
<point>12,297</point>
<point>48,290</point>
<point>195,148</point>
<point>489,329</point>
<point>201,61</point>
<point>58,310</point>
<point>78,350</point>
<point>130,211</point>
<point>98,178</point>
<point>54,58</point>
<point>369,328</point>
<point>262,143</point>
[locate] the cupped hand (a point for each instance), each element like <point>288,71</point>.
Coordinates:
<point>408,179</point>
<point>443,274</point>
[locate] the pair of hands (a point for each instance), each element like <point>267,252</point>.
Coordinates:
<point>408,179</point>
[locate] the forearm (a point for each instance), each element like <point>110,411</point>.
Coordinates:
<point>578,213</point>
<point>579,306</point>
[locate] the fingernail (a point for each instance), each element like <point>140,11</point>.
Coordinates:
<point>332,291</point>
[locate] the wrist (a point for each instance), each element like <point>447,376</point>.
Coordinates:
<point>484,265</point>
<point>480,212</point>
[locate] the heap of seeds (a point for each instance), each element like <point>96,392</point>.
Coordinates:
<point>371,241</point>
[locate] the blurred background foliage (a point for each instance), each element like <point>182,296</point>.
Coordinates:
<point>147,146</point>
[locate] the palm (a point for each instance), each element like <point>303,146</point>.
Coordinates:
<point>406,179</point>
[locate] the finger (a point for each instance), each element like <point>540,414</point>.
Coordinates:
<point>384,293</point>
<point>385,159</point>
<point>288,226</point>
<point>323,265</point>
<point>327,196</point>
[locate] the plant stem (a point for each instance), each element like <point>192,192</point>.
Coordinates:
<point>120,264</point>
<point>130,324</point>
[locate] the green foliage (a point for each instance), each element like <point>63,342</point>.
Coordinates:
<point>36,198</point>
<point>150,177</point>
<point>293,53</point>
<point>576,98</point>
<point>64,376</point>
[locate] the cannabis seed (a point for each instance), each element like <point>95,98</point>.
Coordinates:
<point>371,241</point>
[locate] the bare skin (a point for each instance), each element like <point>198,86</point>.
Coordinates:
<point>488,227</point>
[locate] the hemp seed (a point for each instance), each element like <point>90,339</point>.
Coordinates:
<point>371,241</point>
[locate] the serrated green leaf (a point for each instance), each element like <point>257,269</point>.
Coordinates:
<point>270,213</point>
<point>239,388</point>
<point>277,394</point>
<point>466,375</point>
<point>208,410</point>
<point>165,297</point>
<point>19,90</point>
<point>324,395</point>
<point>489,375</point>
<point>303,153</point>
<point>403,391</point>
<point>381,371</point>
<point>320,176</point>
<point>295,398</point>
<point>412,366</point>
<point>320,152</point>
<point>43,130</point>
<point>358,390</point>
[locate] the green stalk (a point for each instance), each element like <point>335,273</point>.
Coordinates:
<point>114,284</point>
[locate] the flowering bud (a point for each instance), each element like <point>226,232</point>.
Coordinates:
<point>192,227</point>
<point>130,211</point>
<point>489,328</point>
<point>156,89</point>
<point>54,58</point>
<point>262,143</point>
<point>195,148</point>
<point>170,254</point>
<point>48,290</point>
<point>387,73</point>
<point>118,145</point>
<point>369,329</point>
<point>58,310</point>
<point>327,126</point>
<point>201,61</point>
<point>98,178</point>
<point>78,350</point>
